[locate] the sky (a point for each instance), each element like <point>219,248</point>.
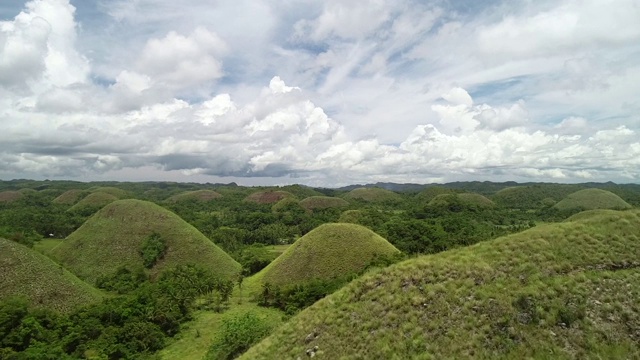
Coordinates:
<point>321,93</point>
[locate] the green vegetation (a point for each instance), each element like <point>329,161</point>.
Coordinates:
<point>113,238</point>
<point>153,249</point>
<point>329,251</point>
<point>92,203</point>
<point>373,195</point>
<point>467,200</point>
<point>323,202</point>
<point>237,333</point>
<point>117,192</point>
<point>10,196</point>
<point>45,284</point>
<point>431,192</point>
<point>590,199</point>
<point>566,290</point>
<point>70,197</point>
<point>268,196</point>
<point>197,195</point>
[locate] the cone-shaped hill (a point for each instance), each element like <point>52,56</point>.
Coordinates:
<point>268,196</point>
<point>431,192</point>
<point>323,202</point>
<point>115,236</point>
<point>10,196</point>
<point>69,197</point>
<point>590,199</point>
<point>93,202</point>
<point>559,291</point>
<point>372,195</point>
<point>25,272</point>
<point>198,195</point>
<point>119,193</point>
<point>328,251</point>
<point>463,199</point>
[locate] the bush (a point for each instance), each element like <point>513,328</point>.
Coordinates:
<point>236,335</point>
<point>153,249</point>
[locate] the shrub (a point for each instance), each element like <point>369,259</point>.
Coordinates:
<point>153,249</point>
<point>237,334</point>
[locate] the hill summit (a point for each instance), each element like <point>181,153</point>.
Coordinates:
<point>115,236</point>
<point>590,199</point>
<point>328,251</point>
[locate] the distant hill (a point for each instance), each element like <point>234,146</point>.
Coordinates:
<point>590,199</point>
<point>533,196</point>
<point>560,291</point>
<point>119,193</point>
<point>406,187</point>
<point>25,272</point>
<point>268,196</point>
<point>10,196</point>
<point>463,199</point>
<point>329,251</point>
<point>372,195</point>
<point>93,202</point>
<point>323,202</point>
<point>70,197</point>
<point>115,235</point>
<point>431,192</point>
<point>197,195</point>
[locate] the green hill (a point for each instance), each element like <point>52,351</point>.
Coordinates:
<point>119,193</point>
<point>590,199</point>
<point>115,236</point>
<point>10,196</point>
<point>268,196</point>
<point>25,272</point>
<point>69,197</point>
<point>463,199</point>
<point>93,202</point>
<point>351,216</point>
<point>373,195</point>
<point>287,204</point>
<point>431,192</point>
<point>329,251</point>
<point>198,195</point>
<point>323,202</point>
<point>560,291</point>
<point>533,196</point>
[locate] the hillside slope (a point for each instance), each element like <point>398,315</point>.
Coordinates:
<point>328,251</point>
<point>25,272</point>
<point>114,237</point>
<point>590,199</point>
<point>560,291</point>
<point>197,195</point>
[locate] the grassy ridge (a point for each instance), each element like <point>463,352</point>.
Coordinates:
<point>26,272</point>
<point>590,199</point>
<point>268,196</point>
<point>561,291</point>
<point>94,200</point>
<point>113,237</point>
<point>374,195</point>
<point>69,197</point>
<point>323,202</point>
<point>328,251</point>
<point>198,195</point>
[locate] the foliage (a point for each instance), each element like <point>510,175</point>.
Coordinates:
<point>237,334</point>
<point>123,281</point>
<point>153,249</point>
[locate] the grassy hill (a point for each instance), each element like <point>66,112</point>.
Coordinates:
<point>533,196</point>
<point>26,272</point>
<point>431,192</point>
<point>328,251</point>
<point>590,199</point>
<point>323,202</point>
<point>373,195</point>
<point>69,197</point>
<point>119,193</point>
<point>93,201</point>
<point>560,291</point>
<point>10,196</point>
<point>115,235</point>
<point>198,195</point>
<point>464,199</point>
<point>268,196</point>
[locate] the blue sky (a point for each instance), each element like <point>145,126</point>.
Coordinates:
<point>320,93</point>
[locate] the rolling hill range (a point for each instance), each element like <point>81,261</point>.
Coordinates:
<point>372,195</point>
<point>323,202</point>
<point>69,197</point>
<point>560,291</point>
<point>10,196</point>
<point>463,199</point>
<point>329,251</point>
<point>590,199</point>
<point>45,284</point>
<point>93,202</point>
<point>268,196</point>
<point>115,235</point>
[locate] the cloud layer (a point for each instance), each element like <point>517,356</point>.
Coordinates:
<point>331,94</point>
